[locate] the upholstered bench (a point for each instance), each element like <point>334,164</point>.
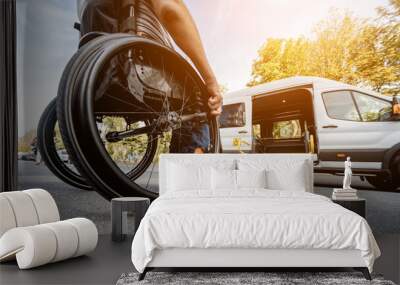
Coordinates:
<point>31,231</point>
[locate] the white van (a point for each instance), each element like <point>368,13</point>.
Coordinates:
<point>331,119</point>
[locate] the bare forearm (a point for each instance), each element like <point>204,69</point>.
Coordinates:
<point>177,20</point>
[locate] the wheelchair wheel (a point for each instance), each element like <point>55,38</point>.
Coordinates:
<point>121,99</point>
<point>53,151</point>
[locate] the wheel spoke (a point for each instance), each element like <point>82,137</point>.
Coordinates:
<point>131,104</point>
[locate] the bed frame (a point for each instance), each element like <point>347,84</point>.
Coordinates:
<point>249,259</point>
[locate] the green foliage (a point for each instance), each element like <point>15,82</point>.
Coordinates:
<point>389,35</point>
<point>280,58</point>
<point>164,142</point>
<point>128,150</point>
<point>57,138</point>
<point>24,143</point>
<point>343,48</point>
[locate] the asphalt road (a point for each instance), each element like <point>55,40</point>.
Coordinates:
<point>383,208</point>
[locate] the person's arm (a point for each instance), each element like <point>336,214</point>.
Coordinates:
<point>176,18</point>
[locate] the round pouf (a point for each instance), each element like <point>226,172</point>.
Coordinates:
<point>119,213</point>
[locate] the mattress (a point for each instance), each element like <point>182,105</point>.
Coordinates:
<point>250,219</point>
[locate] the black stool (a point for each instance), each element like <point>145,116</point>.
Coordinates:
<point>119,214</point>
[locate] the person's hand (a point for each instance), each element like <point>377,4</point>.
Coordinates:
<point>215,99</point>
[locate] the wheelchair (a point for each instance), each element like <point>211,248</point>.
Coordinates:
<point>123,99</point>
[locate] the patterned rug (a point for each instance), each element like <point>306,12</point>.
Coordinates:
<point>244,278</point>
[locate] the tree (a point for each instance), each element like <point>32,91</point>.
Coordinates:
<point>372,63</point>
<point>24,143</point>
<point>389,31</point>
<point>343,48</point>
<point>280,58</point>
<point>332,49</point>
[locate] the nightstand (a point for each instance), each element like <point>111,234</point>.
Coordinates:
<point>358,206</point>
<point>119,215</point>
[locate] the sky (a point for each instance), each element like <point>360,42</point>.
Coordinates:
<point>232,32</point>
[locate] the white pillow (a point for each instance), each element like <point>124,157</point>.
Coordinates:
<point>183,177</point>
<point>251,178</point>
<point>291,177</point>
<point>282,174</point>
<point>223,179</point>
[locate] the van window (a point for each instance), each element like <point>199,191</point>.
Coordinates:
<point>340,105</point>
<point>233,116</point>
<point>286,129</point>
<point>371,108</point>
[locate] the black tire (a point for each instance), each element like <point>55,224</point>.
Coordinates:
<point>48,150</point>
<point>388,183</point>
<point>75,65</point>
<point>75,68</point>
<point>77,120</point>
<point>395,170</point>
<point>382,183</point>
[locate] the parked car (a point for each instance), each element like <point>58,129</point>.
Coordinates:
<point>29,156</point>
<point>331,119</point>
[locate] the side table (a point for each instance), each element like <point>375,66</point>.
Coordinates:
<point>119,214</point>
<point>358,206</point>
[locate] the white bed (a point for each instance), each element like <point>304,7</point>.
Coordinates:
<point>231,226</point>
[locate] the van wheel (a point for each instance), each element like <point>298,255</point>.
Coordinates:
<point>396,170</point>
<point>49,144</point>
<point>381,182</point>
<point>388,183</point>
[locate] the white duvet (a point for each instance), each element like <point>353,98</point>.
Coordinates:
<point>250,219</point>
